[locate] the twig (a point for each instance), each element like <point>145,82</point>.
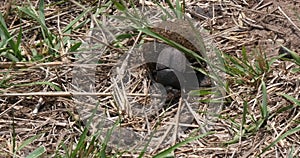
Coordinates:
<point>48,64</point>
<point>289,19</point>
<point>162,138</point>
<point>67,94</point>
<point>180,104</point>
<point>11,106</point>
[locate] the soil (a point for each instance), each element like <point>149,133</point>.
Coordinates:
<point>267,25</point>
<point>256,25</point>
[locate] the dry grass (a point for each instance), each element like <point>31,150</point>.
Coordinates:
<point>44,80</point>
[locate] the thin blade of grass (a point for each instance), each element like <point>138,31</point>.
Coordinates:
<point>142,153</point>
<point>264,106</point>
<point>295,56</point>
<point>8,38</point>
<point>18,42</point>
<point>40,18</point>
<point>273,59</point>
<point>42,12</point>
<point>83,137</point>
<point>172,148</point>
<point>91,147</point>
<point>64,147</point>
<point>164,10</point>
<point>75,46</point>
<point>292,99</point>
<point>106,139</point>
<point>37,152</point>
<point>289,132</point>
<point>80,144</point>
<point>245,112</point>
<point>172,7</point>
<point>244,54</point>
<point>233,71</point>
<point>237,68</point>
<point>235,139</point>
<point>76,20</point>
<point>201,92</point>
<point>171,43</point>
<point>5,78</point>
<point>27,142</point>
<point>119,6</point>
<point>179,10</point>
<point>10,56</point>
<point>290,154</point>
<point>243,66</point>
<point>281,110</point>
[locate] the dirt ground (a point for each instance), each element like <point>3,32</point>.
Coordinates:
<point>265,24</point>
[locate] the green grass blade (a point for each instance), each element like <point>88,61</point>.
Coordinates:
<point>4,29</point>
<point>40,18</point>
<point>81,145</point>
<point>290,154</point>
<point>75,46</point>
<point>245,112</point>
<point>18,43</point>
<point>230,70</point>
<point>5,78</point>
<point>76,20</point>
<point>235,139</point>
<point>119,6</point>
<point>172,148</point>
<point>221,60</point>
<point>6,37</point>
<point>27,142</point>
<point>273,59</point>
<point>244,54</point>
<point>91,148</point>
<point>201,92</point>
<point>37,152</point>
<point>289,132</point>
<point>10,56</point>
<point>295,70</point>
<point>34,15</point>
<point>65,149</point>
<point>164,10</point>
<point>247,63</point>
<point>107,138</point>
<point>264,106</point>
<point>295,56</point>
<point>179,10</point>
<point>292,99</point>
<point>282,110</point>
<point>41,12</point>
<point>172,7</point>
<point>243,65</point>
<point>237,68</point>
<point>142,153</point>
<point>171,43</point>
